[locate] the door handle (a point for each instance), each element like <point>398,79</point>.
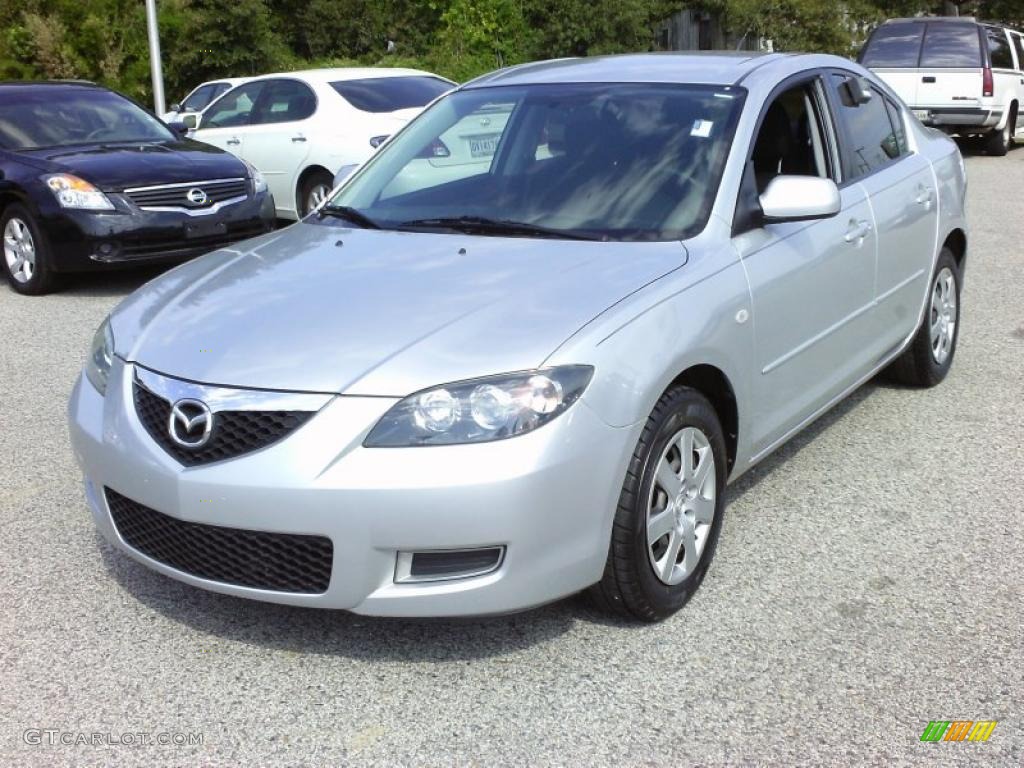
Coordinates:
<point>928,79</point>
<point>924,196</point>
<point>232,140</point>
<point>298,138</point>
<point>857,232</point>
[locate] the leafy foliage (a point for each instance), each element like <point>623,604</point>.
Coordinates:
<point>105,40</point>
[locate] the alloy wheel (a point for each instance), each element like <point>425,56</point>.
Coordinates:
<point>681,505</point>
<point>943,315</point>
<point>19,250</point>
<point>316,195</point>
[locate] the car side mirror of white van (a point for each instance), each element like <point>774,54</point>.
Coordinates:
<point>800,198</point>
<point>191,120</point>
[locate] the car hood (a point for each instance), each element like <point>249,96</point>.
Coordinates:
<point>323,308</point>
<point>113,167</point>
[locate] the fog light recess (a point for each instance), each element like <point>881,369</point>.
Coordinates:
<point>447,564</point>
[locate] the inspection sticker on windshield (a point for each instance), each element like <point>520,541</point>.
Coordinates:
<point>701,128</point>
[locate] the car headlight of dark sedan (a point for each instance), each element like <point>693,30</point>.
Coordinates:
<point>73,192</point>
<point>101,357</point>
<point>481,410</point>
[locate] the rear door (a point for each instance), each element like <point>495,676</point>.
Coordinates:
<point>900,188</point>
<point>893,53</point>
<point>951,66</point>
<point>277,140</point>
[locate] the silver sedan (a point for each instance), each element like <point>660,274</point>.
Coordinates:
<point>523,350</point>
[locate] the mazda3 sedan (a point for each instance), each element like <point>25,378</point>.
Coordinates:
<point>469,393</point>
<point>89,180</point>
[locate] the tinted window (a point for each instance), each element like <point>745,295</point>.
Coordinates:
<point>872,139</point>
<point>999,48</point>
<point>894,45</point>
<point>1019,42</point>
<point>198,99</point>
<point>617,161</point>
<point>284,101</point>
<point>387,94</point>
<point>54,116</point>
<point>951,45</point>
<point>234,108</point>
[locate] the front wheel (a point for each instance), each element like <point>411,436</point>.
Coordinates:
<point>928,358</point>
<point>669,513</point>
<point>26,260</point>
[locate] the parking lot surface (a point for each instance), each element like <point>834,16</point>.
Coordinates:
<point>868,580</point>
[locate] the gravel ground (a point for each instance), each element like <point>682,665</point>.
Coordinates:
<point>868,580</point>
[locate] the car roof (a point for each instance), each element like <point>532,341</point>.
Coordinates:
<point>704,68</point>
<point>335,74</point>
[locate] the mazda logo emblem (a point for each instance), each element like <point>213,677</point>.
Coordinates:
<point>196,196</point>
<point>190,424</point>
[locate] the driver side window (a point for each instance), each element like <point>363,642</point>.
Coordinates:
<point>791,140</point>
<point>235,108</point>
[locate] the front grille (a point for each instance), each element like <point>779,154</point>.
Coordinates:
<point>283,562</point>
<point>177,195</point>
<point>234,432</point>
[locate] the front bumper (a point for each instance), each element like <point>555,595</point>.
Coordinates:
<point>86,240</point>
<point>548,497</point>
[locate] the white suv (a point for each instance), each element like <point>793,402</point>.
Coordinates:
<point>963,76</point>
<point>299,128</point>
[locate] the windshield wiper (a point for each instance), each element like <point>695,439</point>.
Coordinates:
<point>349,214</point>
<point>486,226</point>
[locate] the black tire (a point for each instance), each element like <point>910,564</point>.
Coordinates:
<point>998,142</point>
<point>918,366</point>
<point>42,279</point>
<point>312,181</point>
<point>630,587</point>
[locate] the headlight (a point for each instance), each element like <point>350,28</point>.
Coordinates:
<point>73,192</point>
<point>259,181</point>
<point>481,410</point>
<point>101,357</point>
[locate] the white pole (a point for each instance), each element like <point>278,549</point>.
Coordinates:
<point>155,65</point>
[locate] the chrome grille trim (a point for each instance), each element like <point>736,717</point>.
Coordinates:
<point>229,398</point>
<point>185,184</point>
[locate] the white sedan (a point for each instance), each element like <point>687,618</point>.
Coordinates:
<point>300,128</point>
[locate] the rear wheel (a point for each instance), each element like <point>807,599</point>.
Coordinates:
<point>998,142</point>
<point>670,511</point>
<point>314,190</point>
<point>928,358</point>
<point>26,260</point>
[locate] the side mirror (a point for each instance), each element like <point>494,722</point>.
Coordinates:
<point>174,107</point>
<point>191,120</point>
<point>179,128</point>
<point>858,90</point>
<point>800,198</point>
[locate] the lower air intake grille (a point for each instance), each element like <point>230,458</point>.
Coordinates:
<point>282,562</point>
<point>234,432</point>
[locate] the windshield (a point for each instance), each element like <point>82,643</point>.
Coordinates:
<point>610,162</point>
<point>52,116</point>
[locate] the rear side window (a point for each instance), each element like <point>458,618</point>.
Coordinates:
<point>951,45</point>
<point>388,94</point>
<point>999,48</point>
<point>869,130</point>
<point>284,101</point>
<point>1019,43</point>
<point>894,45</point>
